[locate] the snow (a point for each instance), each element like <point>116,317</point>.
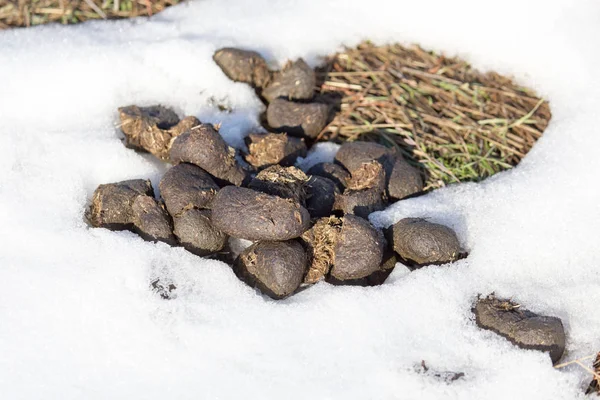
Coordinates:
<point>77,320</point>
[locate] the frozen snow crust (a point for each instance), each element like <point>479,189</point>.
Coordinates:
<point>77,319</point>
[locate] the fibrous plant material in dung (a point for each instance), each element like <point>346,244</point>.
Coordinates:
<point>285,182</point>
<point>269,149</point>
<point>457,124</point>
<point>365,191</point>
<point>153,128</point>
<point>346,248</point>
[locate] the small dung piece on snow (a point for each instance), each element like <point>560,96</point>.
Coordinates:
<point>274,148</point>
<point>296,81</point>
<point>187,186</point>
<point>336,173</point>
<point>523,328</point>
<point>203,146</point>
<point>275,268</point>
<point>151,221</point>
<point>352,155</point>
<point>347,248</point>
<point>423,243</point>
<point>112,202</point>
<point>405,180</point>
<point>196,233</point>
<point>243,66</point>
<point>299,119</point>
<point>247,214</point>
<point>285,182</point>
<point>152,129</point>
<point>365,191</point>
<point>165,289</point>
<point>320,196</point>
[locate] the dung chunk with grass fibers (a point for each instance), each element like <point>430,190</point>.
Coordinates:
<point>285,182</point>
<point>152,129</point>
<point>298,119</point>
<point>296,81</point>
<point>521,327</point>
<point>112,203</point>
<point>365,191</point>
<point>352,155</point>
<point>203,146</point>
<point>320,196</point>
<point>275,268</point>
<point>247,214</point>
<point>197,234</point>
<point>422,243</point>
<point>274,148</point>
<point>151,221</point>
<point>345,248</point>
<point>187,186</point>
<point>335,172</point>
<point>404,180</point>
<point>243,66</point>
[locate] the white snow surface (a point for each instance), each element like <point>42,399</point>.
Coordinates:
<point>77,320</point>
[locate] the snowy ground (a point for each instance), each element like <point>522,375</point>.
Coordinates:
<point>77,320</point>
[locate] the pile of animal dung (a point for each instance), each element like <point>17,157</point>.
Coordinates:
<point>300,227</point>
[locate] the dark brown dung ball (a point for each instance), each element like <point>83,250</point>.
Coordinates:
<point>359,249</point>
<point>152,129</point>
<point>274,148</point>
<point>365,191</point>
<point>112,203</point>
<point>405,180</point>
<point>197,234</point>
<point>523,328</point>
<point>296,81</point>
<point>187,186</point>
<point>286,182</point>
<point>320,196</point>
<point>204,147</point>
<point>376,278</point>
<point>352,155</point>
<point>347,248</point>
<point>336,173</point>
<point>299,119</point>
<point>151,221</point>
<point>275,268</point>
<point>424,243</point>
<point>247,214</point>
<point>243,66</point>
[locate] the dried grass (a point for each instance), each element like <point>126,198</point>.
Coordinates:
<point>24,13</point>
<point>453,122</point>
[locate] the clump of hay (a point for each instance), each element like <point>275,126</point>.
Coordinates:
<point>454,122</point>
